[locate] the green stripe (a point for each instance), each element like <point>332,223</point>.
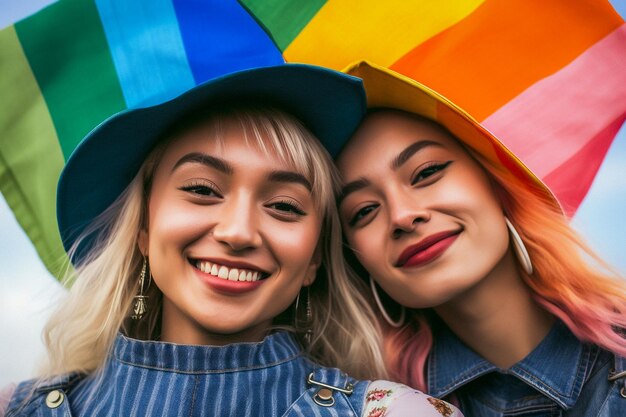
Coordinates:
<point>283,20</point>
<point>30,155</point>
<point>68,53</point>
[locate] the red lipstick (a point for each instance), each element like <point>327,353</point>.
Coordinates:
<point>427,250</point>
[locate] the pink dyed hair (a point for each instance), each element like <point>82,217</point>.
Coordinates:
<point>589,299</point>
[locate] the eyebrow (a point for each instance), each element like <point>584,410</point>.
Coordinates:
<point>351,187</point>
<point>396,163</point>
<point>289,176</point>
<point>223,166</point>
<point>409,151</point>
<point>204,159</point>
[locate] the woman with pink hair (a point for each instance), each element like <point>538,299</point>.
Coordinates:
<point>487,296</point>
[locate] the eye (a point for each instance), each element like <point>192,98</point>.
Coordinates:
<point>287,207</point>
<point>362,213</point>
<point>201,188</point>
<point>432,168</point>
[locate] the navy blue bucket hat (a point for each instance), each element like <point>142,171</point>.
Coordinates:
<point>327,102</point>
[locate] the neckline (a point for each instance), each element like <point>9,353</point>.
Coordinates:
<point>274,349</point>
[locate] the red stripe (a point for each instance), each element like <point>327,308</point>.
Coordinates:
<point>552,121</point>
<point>572,179</point>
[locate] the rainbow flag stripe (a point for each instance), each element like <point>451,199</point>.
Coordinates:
<point>68,67</point>
<point>549,78</point>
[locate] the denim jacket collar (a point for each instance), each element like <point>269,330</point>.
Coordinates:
<point>276,348</point>
<point>557,367</point>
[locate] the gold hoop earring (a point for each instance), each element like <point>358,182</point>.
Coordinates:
<point>140,303</point>
<point>519,247</point>
<point>386,315</point>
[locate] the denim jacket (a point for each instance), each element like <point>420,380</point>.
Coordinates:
<point>560,377</point>
<point>271,378</point>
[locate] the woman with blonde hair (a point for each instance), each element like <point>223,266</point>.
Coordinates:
<point>508,314</point>
<point>207,249</point>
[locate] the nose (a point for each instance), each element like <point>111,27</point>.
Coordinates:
<point>405,214</point>
<point>237,226</point>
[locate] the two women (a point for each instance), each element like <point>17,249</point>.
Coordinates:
<point>208,254</point>
<point>506,314</point>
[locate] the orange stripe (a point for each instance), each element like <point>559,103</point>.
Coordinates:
<point>502,48</point>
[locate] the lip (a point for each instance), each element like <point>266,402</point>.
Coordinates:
<point>226,286</point>
<point>427,250</point>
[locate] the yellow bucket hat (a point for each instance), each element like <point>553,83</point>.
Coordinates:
<point>385,88</point>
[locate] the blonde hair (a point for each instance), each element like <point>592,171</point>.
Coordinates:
<point>81,333</point>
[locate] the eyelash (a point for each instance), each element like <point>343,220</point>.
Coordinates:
<point>360,214</point>
<point>204,190</point>
<point>431,168</point>
<point>293,208</point>
<point>199,188</point>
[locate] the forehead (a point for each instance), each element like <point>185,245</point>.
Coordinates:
<point>384,134</point>
<point>228,139</point>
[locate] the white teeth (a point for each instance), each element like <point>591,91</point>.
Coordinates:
<point>223,272</point>
<point>234,274</point>
<point>204,266</point>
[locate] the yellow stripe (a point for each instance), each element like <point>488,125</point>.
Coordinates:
<point>381,31</point>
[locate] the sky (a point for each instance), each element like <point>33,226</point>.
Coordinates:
<point>28,292</point>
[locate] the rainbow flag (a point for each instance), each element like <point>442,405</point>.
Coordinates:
<point>547,77</point>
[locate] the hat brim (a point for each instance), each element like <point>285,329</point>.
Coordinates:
<point>385,88</point>
<point>329,103</point>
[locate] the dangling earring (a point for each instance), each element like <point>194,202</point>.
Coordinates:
<point>520,248</point>
<point>305,323</point>
<point>140,306</point>
<point>386,316</point>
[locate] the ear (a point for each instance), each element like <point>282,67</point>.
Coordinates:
<point>316,261</point>
<point>142,242</point>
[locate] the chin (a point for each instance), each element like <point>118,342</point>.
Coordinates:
<point>429,302</point>
<point>224,328</point>
<point>431,295</point>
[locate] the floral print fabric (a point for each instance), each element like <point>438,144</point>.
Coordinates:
<point>390,399</point>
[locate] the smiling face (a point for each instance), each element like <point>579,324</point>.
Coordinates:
<point>418,211</point>
<point>231,237</point>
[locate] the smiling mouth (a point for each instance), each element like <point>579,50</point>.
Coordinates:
<point>428,249</point>
<point>229,273</point>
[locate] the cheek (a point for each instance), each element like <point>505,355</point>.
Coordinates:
<point>472,187</point>
<point>477,206</point>
<point>369,248</point>
<point>294,244</point>
<point>177,223</point>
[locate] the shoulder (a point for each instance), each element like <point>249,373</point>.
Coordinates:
<point>390,399</point>
<point>28,395</point>
<point>5,396</point>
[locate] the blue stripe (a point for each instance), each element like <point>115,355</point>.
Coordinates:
<point>221,37</point>
<point>147,49</point>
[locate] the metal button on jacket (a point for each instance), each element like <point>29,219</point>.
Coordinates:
<point>54,398</point>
